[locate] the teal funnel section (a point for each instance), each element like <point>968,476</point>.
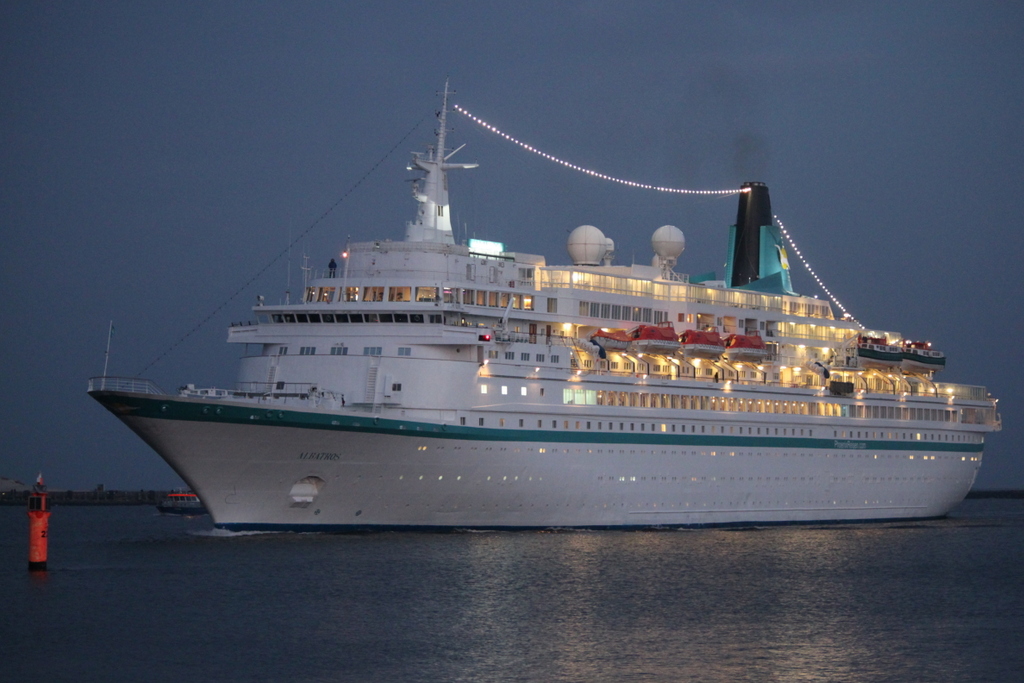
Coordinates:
<point>757,258</point>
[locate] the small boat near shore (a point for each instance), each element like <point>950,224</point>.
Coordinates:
<point>181,503</point>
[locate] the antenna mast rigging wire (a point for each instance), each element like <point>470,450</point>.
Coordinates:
<point>284,251</point>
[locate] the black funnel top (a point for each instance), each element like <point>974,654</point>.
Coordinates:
<point>755,210</point>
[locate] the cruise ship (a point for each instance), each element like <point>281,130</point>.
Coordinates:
<point>426,384</point>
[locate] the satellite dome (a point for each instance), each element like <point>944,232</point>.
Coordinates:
<point>587,246</point>
<point>668,242</point>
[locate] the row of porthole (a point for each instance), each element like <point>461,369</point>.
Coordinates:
<point>440,477</point>
<point>681,506</point>
<point>219,410</point>
<point>269,415</point>
<point>612,451</point>
<point>720,429</point>
<point>765,480</point>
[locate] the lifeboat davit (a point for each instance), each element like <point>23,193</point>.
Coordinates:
<point>878,354</point>
<point>657,339</point>
<point>611,341</point>
<point>697,344</point>
<point>745,348</point>
<point>919,357</point>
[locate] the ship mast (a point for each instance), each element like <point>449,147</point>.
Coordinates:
<point>433,221</point>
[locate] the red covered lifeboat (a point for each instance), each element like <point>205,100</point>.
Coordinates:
<point>611,340</point>
<point>657,339</point>
<point>745,348</point>
<point>698,344</point>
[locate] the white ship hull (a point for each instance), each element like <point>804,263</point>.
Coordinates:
<point>385,474</point>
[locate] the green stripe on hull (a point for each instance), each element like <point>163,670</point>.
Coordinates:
<point>925,360</point>
<point>169,408</point>
<point>871,354</point>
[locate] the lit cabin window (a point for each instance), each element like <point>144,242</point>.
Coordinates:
<point>483,388</point>
<point>400,294</point>
<point>426,294</point>
<point>373,294</point>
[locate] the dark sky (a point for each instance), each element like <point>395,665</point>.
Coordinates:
<point>157,155</point>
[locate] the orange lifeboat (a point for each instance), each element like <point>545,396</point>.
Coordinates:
<point>611,341</point>
<point>745,348</point>
<point>697,344</point>
<point>656,339</point>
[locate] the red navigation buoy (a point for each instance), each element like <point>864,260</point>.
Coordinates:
<point>38,526</point>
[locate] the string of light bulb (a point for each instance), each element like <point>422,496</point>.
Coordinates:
<point>630,183</point>
<point>581,169</point>
<point>810,270</point>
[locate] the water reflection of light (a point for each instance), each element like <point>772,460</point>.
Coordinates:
<point>712,605</point>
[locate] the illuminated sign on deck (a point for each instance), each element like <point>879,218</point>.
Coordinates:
<point>485,247</point>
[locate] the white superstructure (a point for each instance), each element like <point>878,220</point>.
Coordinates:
<point>427,384</point>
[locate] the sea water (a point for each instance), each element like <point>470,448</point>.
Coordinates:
<point>131,595</point>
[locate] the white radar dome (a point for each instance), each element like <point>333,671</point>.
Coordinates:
<point>587,246</point>
<point>668,242</point>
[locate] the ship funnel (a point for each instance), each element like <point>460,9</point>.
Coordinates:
<point>755,210</point>
<point>757,255</point>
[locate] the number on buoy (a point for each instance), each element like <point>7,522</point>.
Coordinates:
<point>38,526</point>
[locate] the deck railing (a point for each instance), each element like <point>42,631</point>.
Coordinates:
<point>967,391</point>
<point>135,385</point>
